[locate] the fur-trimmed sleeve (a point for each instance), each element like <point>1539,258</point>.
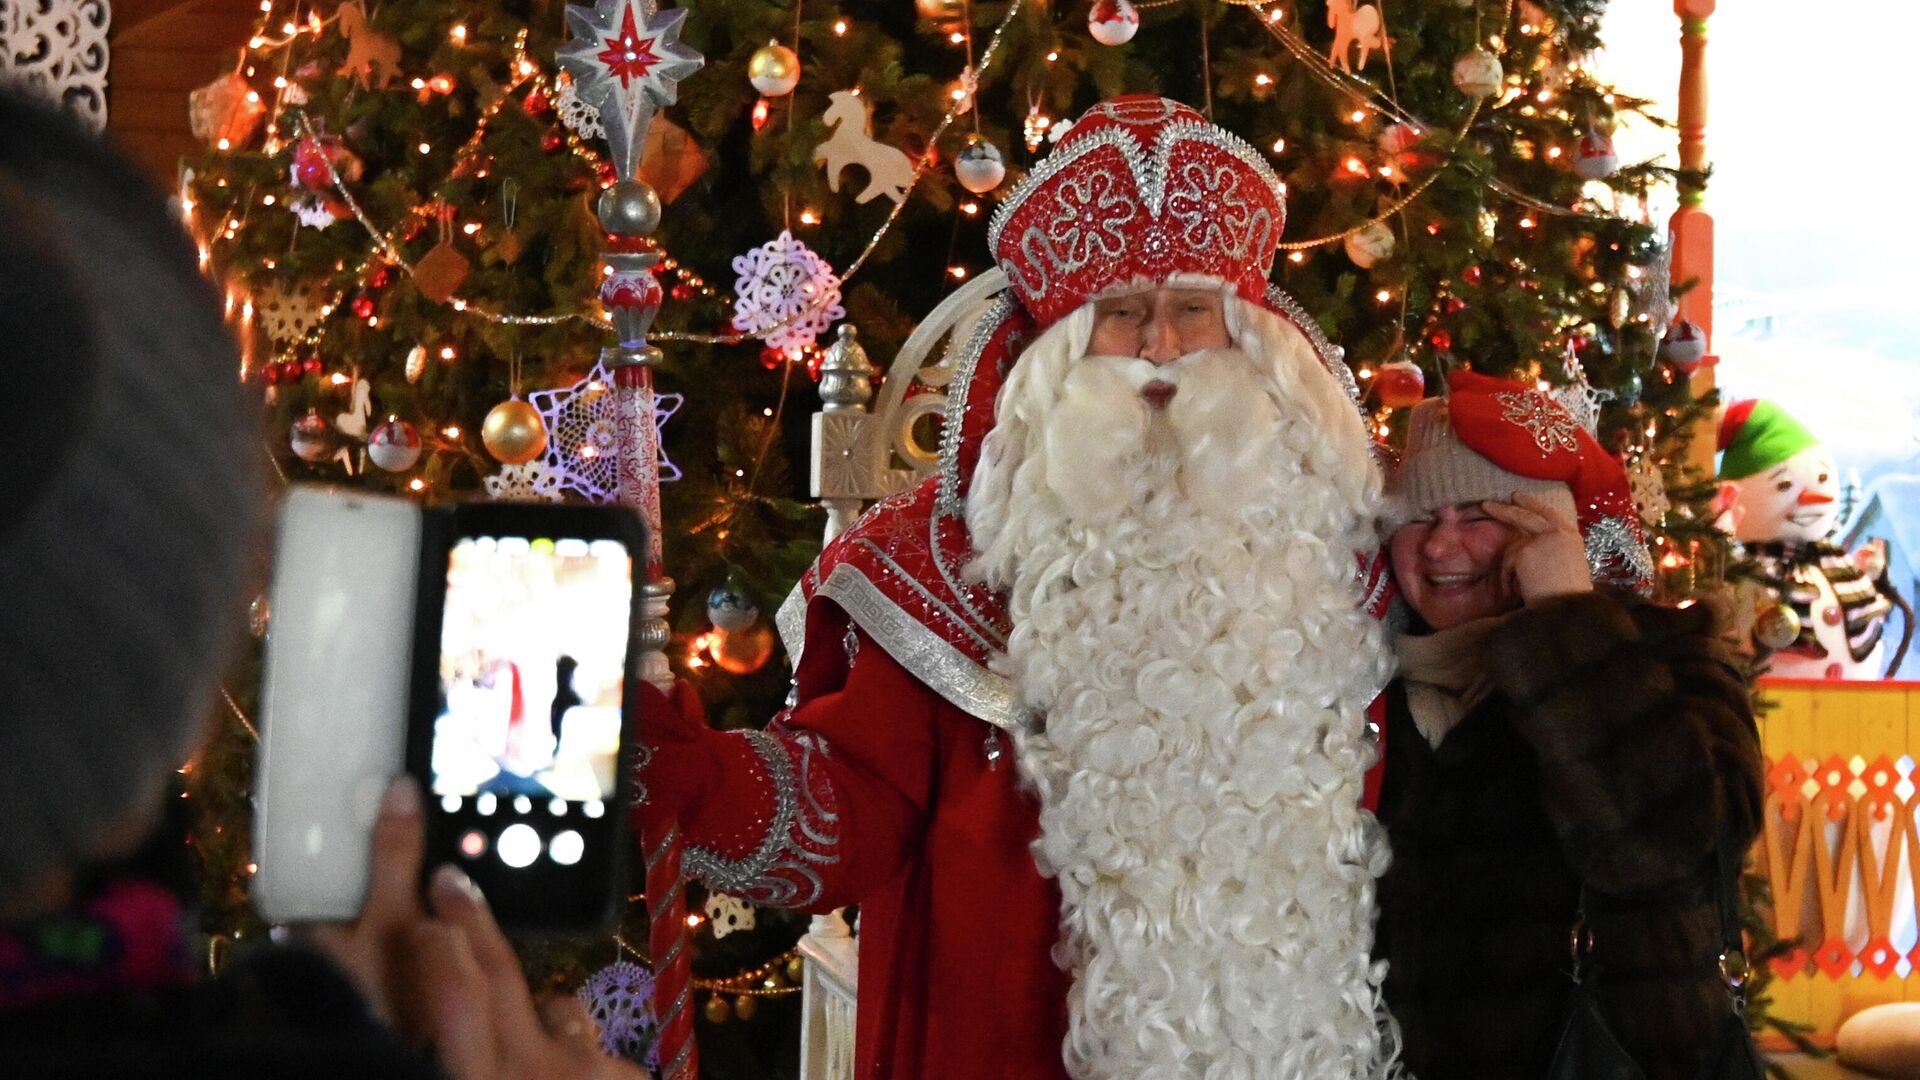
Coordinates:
<point>1643,731</point>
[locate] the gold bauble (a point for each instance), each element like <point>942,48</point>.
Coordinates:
<point>745,1006</point>
<point>796,970</point>
<point>514,432</point>
<point>743,652</point>
<point>947,16</point>
<point>1777,626</point>
<point>774,70</point>
<point>717,1010</point>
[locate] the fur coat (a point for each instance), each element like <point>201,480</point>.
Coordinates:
<point>1617,746</point>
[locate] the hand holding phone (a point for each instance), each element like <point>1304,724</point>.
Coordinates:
<point>488,650</point>
<point>443,974</point>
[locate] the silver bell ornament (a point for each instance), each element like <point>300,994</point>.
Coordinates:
<point>1477,73</point>
<point>730,609</point>
<point>311,438</point>
<point>979,167</point>
<point>1369,245</point>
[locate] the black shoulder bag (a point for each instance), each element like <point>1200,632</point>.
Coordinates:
<point>1587,1048</point>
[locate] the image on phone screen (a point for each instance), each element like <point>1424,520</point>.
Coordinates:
<point>533,644</point>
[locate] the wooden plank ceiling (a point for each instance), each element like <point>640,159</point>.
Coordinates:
<point>161,51</point>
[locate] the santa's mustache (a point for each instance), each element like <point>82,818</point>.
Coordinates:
<point>1200,427</point>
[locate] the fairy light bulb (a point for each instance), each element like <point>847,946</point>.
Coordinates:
<point>458,33</point>
<point>1280,145</point>
<point>1263,80</point>
<point>840,28</point>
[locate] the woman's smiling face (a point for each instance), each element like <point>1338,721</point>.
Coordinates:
<point>1449,565</point>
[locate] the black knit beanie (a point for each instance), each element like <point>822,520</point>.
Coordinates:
<point>131,496</point>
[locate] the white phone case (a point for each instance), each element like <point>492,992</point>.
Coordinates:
<point>333,704</point>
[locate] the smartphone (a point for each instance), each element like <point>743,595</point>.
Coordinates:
<point>523,658</point>
<point>335,680</point>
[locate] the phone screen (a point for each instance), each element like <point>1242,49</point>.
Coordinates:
<point>522,769</point>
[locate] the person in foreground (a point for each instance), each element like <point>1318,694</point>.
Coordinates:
<point>1549,739</point>
<point>1079,722</point>
<point>131,522</point>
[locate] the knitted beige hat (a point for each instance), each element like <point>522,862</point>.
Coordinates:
<point>1440,470</point>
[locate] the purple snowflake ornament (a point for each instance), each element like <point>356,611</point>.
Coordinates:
<point>620,997</point>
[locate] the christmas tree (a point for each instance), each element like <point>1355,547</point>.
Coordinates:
<point>401,202</point>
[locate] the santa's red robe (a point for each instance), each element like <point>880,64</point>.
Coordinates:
<point>927,829</point>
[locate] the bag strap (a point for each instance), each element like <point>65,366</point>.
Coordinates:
<point>1580,937</point>
<point>1734,968</point>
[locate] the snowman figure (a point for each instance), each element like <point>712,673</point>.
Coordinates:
<point>1825,609</point>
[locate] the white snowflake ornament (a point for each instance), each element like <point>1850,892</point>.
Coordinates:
<point>1649,490</point>
<point>577,114</point>
<point>313,211</point>
<point>727,914</point>
<point>531,482</point>
<point>788,295</point>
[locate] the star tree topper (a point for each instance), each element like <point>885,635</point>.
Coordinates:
<point>627,61</point>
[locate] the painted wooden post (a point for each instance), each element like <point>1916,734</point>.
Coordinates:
<point>1692,225</point>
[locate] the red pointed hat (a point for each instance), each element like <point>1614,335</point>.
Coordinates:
<point>1140,189</point>
<point>1522,431</point>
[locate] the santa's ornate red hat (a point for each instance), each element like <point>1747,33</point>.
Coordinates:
<point>1141,189</point>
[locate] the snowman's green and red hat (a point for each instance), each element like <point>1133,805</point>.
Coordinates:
<point>1756,434</point>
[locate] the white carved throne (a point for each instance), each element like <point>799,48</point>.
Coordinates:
<point>861,454</point>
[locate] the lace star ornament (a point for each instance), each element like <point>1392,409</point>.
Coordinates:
<point>788,295</point>
<point>583,442</point>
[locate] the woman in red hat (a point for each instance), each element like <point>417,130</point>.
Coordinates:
<point>1557,744</point>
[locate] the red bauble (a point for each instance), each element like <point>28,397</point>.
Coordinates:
<point>771,358</point>
<point>1455,305</point>
<point>1472,275</point>
<point>310,365</point>
<point>381,278</point>
<point>536,103</point>
<point>363,306</point>
<point>1400,384</point>
<point>270,373</point>
<point>682,292</point>
<point>1441,340</point>
<point>552,141</point>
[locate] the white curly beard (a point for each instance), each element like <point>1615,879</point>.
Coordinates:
<point>1186,619</point>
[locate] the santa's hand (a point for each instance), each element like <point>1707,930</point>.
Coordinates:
<point>1547,557</point>
<point>675,752</point>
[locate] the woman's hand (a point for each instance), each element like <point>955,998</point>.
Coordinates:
<point>448,978</point>
<point>1547,557</point>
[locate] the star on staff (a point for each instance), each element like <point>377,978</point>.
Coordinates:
<point>626,61</point>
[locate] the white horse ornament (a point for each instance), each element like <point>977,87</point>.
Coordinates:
<point>889,172</point>
<point>1353,26</point>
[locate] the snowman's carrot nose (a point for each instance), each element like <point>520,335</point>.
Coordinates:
<point>1813,498</point>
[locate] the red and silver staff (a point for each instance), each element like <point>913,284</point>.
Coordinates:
<point>626,61</point>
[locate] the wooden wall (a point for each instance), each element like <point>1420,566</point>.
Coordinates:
<point>1841,849</point>
<point>161,51</point>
